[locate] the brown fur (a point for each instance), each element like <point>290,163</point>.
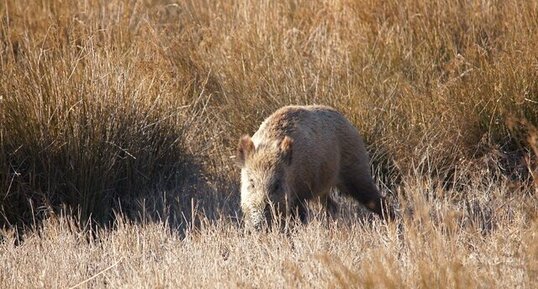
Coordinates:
<point>301,152</point>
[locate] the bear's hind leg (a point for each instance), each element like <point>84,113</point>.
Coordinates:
<point>330,205</point>
<point>365,191</point>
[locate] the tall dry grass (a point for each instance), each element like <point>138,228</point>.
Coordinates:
<point>106,102</point>
<point>488,241</point>
<point>135,107</point>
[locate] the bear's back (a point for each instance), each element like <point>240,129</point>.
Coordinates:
<point>320,134</point>
<point>312,123</point>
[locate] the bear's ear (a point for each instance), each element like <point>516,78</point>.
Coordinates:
<point>244,149</point>
<point>286,149</point>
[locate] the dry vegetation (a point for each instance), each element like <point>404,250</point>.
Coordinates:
<point>135,107</point>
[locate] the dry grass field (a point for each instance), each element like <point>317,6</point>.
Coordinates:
<point>119,121</point>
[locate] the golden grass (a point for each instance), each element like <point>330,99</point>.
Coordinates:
<point>487,241</point>
<point>109,101</point>
<point>136,106</point>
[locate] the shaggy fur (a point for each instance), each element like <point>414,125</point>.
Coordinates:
<point>301,152</point>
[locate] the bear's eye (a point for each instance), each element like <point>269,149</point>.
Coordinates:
<point>276,187</point>
<point>251,183</point>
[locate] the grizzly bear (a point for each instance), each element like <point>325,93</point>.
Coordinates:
<point>300,153</point>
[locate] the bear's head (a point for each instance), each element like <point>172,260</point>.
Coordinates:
<point>264,179</point>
